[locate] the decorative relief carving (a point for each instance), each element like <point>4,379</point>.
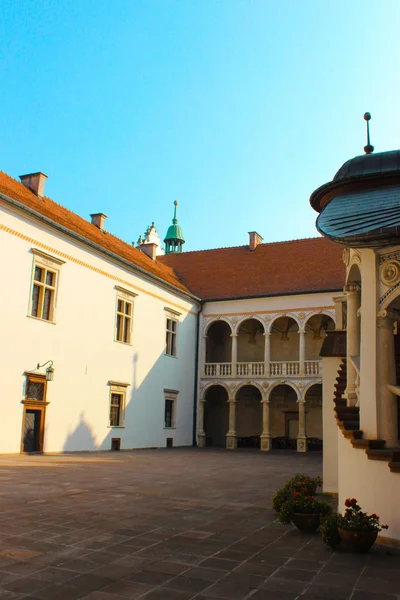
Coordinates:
<point>267,318</point>
<point>234,320</point>
<point>390,272</point>
<point>302,316</point>
<point>346,256</point>
<point>389,256</point>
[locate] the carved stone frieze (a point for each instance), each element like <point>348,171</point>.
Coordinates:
<point>390,272</point>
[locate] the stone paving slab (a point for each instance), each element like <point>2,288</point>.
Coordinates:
<point>176,524</point>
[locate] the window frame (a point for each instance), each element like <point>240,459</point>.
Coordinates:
<point>173,316</point>
<point>127,297</point>
<point>50,264</point>
<point>117,388</point>
<point>170,396</point>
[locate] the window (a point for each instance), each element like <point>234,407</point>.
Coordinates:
<point>170,346</point>
<point>170,408</point>
<point>116,410</point>
<point>117,403</point>
<point>44,286</point>
<point>123,322</point>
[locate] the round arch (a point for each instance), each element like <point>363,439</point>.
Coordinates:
<point>288,383</point>
<point>292,316</point>
<point>218,342</point>
<point>325,313</point>
<point>284,415</point>
<point>248,415</point>
<point>216,414</point>
<point>354,271</point>
<point>208,325</point>
<point>249,318</point>
<point>250,383</point>
<point>204,390</point>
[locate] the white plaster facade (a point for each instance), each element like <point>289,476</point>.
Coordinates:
<point>81,343</point>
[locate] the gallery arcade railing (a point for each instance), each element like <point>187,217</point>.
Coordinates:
<point>276,368</point>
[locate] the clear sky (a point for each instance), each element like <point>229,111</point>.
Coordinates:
<point>238,109</point>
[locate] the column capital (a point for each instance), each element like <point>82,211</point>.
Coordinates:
<point>266,333</point>
<point>265,401</point>
<point>231,400</point>
<point>352,288</point>
<point>234,335</point>
<point>386,314</point>
<point>301,331</point>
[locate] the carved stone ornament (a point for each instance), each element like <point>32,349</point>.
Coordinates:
<point>267,318</point>
<point>265,385</point>
<point>346,256</point>
<point>302,316</point>
<point>390,273</point>
<point>234,320</point>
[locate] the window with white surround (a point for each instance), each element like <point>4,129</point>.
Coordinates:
<point>45,276</point>
<point>117,403</point>
<point>124,315</point>
<point>170,408</point>
<point>171,332</point>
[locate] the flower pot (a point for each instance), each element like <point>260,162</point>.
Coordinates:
<point>357,541</point>
<point>306,523</point>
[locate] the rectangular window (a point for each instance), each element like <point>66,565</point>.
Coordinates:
<point>116,410</point>
<point>124,321</point>
<point>117,403</point>
<point>44,286</point>
<point>43,293</point>
<point>170,345</point>
<point>170,408</point>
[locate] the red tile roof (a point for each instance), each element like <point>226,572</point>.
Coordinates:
<point>294,267</point>
<point>17,191</point>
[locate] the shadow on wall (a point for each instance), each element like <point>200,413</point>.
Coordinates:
<point>81,438</point>
<point>144,410</point>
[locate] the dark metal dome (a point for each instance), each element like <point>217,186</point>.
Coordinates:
<point>366,165</point>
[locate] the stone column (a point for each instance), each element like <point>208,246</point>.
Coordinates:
<point>267,353</point>
<point>203,355</point>
<point>202,434</point>
<point>302,435</point>
<point>353,341</point>
<point>266,439</point>
<point>302,352</point>
<point>231,441</point>
<point>387,400</point>
<point>234,337</point>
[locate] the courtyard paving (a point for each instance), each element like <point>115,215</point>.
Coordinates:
<point>169,525</point>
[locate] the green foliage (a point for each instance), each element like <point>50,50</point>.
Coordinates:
<point>301,503</point>
<point>354,519</point>
<point>299,483</point>
<point>329,530</point>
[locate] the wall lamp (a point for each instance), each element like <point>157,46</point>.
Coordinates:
<point>49,370</point>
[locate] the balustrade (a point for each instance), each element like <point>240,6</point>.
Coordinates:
<point>277,368</point>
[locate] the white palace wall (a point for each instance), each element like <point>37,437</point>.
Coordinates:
<point>81,345</point>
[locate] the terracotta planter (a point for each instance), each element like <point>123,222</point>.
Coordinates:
<point>306,523</point>
<point>357,541</point>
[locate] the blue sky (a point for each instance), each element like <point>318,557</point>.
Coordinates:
<point>238,109</point>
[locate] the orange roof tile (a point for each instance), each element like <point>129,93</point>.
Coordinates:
<point>275,269</point>
<point>47,207</point>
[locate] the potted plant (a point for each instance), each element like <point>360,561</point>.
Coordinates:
<point>304,511</point>
<point>358,530</point>
<point>303,484</point>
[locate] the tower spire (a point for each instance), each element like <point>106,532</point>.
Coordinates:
<point>174,239</point>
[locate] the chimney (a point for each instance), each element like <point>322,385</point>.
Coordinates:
<point>99,219</point>
<point>150,249</point>
<point>254,239</point>
<point>34,182</point>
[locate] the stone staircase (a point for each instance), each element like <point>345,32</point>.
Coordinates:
<point>348,419</point>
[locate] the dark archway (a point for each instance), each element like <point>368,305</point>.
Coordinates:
<point>216,415</point>
<point>248,417</point>
<point>250,347</point>
<point>219,343</point>
<point>313,406</point>
<point>284,417</point>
